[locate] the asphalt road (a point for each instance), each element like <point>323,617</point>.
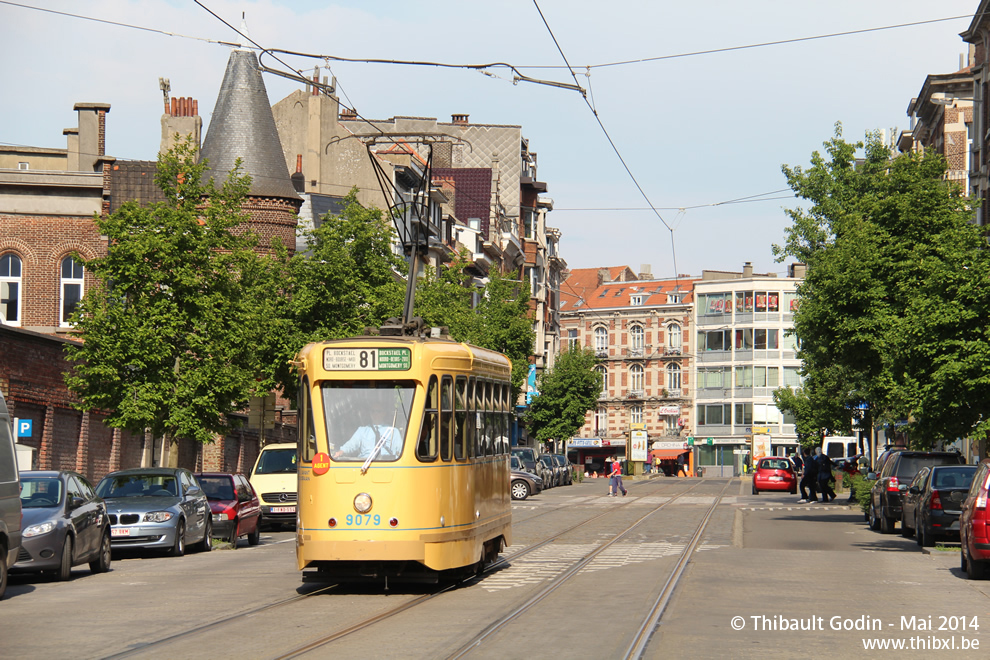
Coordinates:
<point>764,558</point>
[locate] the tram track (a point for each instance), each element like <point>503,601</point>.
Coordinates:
<point>495,566</point>
<point>650,622</point>
<point>157,646</point>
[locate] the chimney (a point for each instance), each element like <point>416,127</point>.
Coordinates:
<point>797,271</point>
<point>645,272</point>
<point>748,269</point>
<point>603,276</point>
<point>182,118</point>
<point>72,148</point>
<point>92,134</point>
<point>459,119</point>
<point>348,113</point>
<point>298,180</point>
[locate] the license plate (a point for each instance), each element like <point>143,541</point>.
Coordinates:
<point>283,509</point>
<point>776,478</point>
<point>119,532</point>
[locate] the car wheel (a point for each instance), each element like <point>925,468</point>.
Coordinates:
<point>925,540</point>
<point>206,544</point>
<point>793,491</point>
<point>102,562</point>
<point>756,491</point>
<point>232,537</point>
<point>179,546</point>
<point>3,573</point>
<point>519,489</point>
<point>962,559</point>
<point>976,570</point>
<point>874,519</point>
<point>255,537</point>
<point>65,568</point>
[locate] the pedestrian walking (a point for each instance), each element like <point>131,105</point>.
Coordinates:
<point>616,481</point>
<point>825,477</point>
<point>809,482</point>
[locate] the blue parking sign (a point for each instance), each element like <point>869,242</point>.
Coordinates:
<point>24,428</point>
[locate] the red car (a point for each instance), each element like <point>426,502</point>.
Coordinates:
<point>774,474</point>
<point>235,506</point>
<point>974,525</point>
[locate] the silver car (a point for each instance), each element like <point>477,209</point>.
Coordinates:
<point>156,508</point>
<point>65,524</point>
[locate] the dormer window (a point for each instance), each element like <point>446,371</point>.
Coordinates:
<point>635,300</point>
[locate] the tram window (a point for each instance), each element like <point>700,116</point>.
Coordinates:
<point>489,425</point>
<point>307,434</point>
<point>497,418</point>
<point>460,417</point>
<point>471,420</point>
<point>479,418</point>
<point>446,416</point>
<point>426,448</point>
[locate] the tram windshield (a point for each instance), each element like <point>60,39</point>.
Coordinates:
<point>367,419</point>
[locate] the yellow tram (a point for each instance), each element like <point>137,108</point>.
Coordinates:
<point>403,458</point>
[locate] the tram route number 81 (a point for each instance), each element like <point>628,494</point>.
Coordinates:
<point>363,520</point>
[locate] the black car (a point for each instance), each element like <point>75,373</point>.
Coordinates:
<point>567,475</point>
<point>933,502</point>
<point>64,524</point>
<point>899,469</point>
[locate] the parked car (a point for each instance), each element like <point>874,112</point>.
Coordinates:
<point>567,474</point>
<point>235,506</point>
<point>275,481</point>
<point>774,474</point>
<point>974,525</point>
<point>899,469</point>
<point>157,508</point>
<point>551,473</point>
<point>10,501</point>
<point>523,483</point>
<point>933,501</point>
<point>64,524</point>
<point>528,457</point>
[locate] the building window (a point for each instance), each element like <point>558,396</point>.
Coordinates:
<point>636,415</point>
<point>10,289</point>
<point>744,414</point>
<point>636,301</point>
<point>636,378</point>
<point>714,378</point>
<point>636,335</point>
<point>673,377</point>
<point>601,340</point>
<point>529,222</point>
<point>674,337</point>
<point>714,414</point>
<point>603,376</point>
<point>714,303</point>
<point>715,340</point>
<point>673,298</point>
<point>759,339</point>
<point>71,289</point>
<point>23,166</point>
<point>757,376</point>
<point>571,339</point>
<point>792,376</point>
<point>601,421</point>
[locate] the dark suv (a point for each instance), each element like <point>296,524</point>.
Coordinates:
<point>898,470</point>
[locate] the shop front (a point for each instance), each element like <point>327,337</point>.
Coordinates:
<point>593,453</point>
<point>672,458</point>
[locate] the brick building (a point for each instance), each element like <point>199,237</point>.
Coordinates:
<point>48,199</point>
<point>641,330</point>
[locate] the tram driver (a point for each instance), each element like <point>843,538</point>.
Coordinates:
<point>382,413</point>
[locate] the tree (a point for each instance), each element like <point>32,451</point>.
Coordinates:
<point>567,392</point>
<point>170,331</point>
<point>891,312</point>
<point>501,321</point>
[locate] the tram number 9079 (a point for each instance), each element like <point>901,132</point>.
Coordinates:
<point>363,520</point>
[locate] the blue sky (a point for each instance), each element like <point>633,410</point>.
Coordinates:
<point>694,130</point>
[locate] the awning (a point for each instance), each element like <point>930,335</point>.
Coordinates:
<point>668,453</point>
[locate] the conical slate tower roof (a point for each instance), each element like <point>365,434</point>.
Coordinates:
<point>243,127</point>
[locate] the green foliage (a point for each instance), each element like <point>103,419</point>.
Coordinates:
<point>502,320</point>
<point>891,311</point>
<point>169,332</point>
<point>860,487</point>
<point>567,392</point>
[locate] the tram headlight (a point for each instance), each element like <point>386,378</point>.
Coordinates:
<point>362,503</point>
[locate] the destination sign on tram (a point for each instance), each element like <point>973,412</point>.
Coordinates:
<point>367,359</point>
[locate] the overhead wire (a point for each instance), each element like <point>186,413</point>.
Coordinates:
<point>615,148</point>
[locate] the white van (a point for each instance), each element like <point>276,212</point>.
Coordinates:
<point>274,479</point>
<point>10,498</point>
<point>838,447</point>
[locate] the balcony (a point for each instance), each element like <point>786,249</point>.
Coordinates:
<point>601,352</point>
<point>671,352</point>
<point>634,352</point>
<point>635,394</point>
